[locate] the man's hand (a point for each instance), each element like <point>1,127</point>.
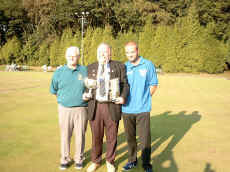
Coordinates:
<point>153,89</point>
<point>120,100</point>
<point>86,96</point>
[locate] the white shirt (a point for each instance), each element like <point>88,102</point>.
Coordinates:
<point>106,77</point>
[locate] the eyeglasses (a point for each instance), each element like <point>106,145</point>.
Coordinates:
<point>72,56</point>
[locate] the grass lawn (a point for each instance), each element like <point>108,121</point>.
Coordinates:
<point>189,124</point>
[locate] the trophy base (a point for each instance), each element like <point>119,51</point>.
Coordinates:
<point>114,100</point>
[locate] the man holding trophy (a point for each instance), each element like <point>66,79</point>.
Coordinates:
<point>107,91</point>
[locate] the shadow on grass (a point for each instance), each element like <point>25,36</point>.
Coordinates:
<point>165,128</point>
<point>208,168</point>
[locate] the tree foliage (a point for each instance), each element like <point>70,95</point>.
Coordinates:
<point>10,52</point>
<point>177,35</point>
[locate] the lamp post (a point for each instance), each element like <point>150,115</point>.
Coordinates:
<point>83,21</point>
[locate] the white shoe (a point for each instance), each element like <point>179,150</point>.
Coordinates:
<point>110,167</point>
<point>92,167</point>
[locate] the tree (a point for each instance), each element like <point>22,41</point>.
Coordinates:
<point>10,51</point>
<point>146,37</point>
<point>217,11</point>
<point>13,18</point>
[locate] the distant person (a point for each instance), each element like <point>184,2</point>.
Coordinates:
<point>142,79</point>
<point>104,115</point>
<point>44,68</point>
<point>67,84</point>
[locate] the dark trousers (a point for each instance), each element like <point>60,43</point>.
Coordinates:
<point>141,123</point>
<point>103,121</point>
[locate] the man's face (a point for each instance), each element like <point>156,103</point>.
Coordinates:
<point>131,52</point>
<point>72,58</point>
<point>103,54</point>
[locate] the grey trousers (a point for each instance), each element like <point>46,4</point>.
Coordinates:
<point>71,120</point>
<point>140,123</point>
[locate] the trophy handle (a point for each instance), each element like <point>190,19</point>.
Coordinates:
<point>90,93</point>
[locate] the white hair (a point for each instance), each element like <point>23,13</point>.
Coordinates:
<point>73,50</point>
<point>100,47</point>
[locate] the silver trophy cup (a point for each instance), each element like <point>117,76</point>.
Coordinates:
<point>114,89</point>
<point>90,84</point>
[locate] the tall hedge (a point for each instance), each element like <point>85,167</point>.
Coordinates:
<point>59,46</point>
<point>121,40</point>
<point>10,51</point>
<point>43,54</point>
<point>185,46</point>
<point>92,40</point>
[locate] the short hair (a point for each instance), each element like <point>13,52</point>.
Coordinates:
<point>131,43</point>
<point>71,50</point>
<point>103,45</point>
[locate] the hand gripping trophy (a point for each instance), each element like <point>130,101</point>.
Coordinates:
<point>114,89</point>
<point>90,84</point>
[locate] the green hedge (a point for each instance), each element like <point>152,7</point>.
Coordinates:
<point>184,47</point>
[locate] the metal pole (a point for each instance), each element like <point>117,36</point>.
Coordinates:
<point>82,40</point>
<point>82,16</point>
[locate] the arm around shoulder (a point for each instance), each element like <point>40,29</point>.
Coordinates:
<point>124,82</point>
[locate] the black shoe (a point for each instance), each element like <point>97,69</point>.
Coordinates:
<point>78,166</point>
<point>148,170</point>
<point>129,166</point>
<point>64,166</point>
